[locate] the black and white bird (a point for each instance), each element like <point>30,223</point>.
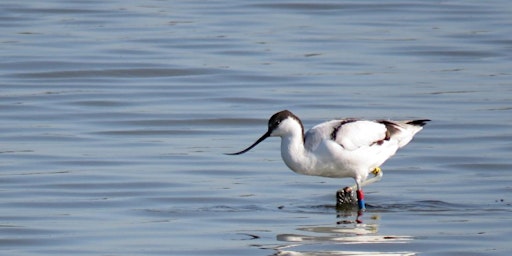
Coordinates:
<point>343,148</point>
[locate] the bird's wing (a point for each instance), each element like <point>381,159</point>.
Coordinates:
<point>349,133</point>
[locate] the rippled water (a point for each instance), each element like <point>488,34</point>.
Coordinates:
<point>114,117</point>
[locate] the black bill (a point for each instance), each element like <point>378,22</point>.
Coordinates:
<point>266,135</point>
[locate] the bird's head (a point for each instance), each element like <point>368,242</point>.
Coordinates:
<point>280,124</point>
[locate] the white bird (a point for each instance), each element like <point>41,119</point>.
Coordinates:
<point>340,148</point>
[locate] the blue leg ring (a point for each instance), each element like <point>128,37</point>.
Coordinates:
<point>361,205</point>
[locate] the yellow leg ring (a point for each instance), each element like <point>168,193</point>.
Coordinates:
<point>376,171</point>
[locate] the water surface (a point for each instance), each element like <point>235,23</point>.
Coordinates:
<point>114,117</point>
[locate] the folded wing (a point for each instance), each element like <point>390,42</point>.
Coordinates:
<point>352,134</point>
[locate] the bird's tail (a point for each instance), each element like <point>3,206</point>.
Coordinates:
<point>419,122</point>
<point>404,131</point>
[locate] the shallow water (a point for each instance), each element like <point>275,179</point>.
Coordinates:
<point>114,117</point>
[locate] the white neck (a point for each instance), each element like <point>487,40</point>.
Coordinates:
<point>295,156</point>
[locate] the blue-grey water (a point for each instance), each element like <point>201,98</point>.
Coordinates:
<point>114,116</point>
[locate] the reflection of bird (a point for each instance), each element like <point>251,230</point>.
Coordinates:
<point>339,148</point>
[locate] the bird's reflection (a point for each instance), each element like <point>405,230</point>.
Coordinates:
<point>347,215</point>
<point>348,230</point>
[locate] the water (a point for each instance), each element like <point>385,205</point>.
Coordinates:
<point>114,117</point>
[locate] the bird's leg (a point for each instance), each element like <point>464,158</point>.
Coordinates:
<point>360,198</point>
<point>345,196</point>
<point>377,175</point>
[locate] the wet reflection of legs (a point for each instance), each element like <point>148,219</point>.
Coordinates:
<point>346,204</point>
<point>347,216</point>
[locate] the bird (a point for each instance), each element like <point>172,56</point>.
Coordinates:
<point>340,148</point>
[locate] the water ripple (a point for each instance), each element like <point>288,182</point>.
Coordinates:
<point>122,73</point>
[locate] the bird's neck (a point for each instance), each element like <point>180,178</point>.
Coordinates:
<point>294,153</point>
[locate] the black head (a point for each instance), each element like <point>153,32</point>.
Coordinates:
<point>276,119</point>
<point>273,124</point>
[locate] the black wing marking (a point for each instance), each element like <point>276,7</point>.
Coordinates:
<point>336,128</point>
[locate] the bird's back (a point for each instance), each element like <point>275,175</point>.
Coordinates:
<point>348,133</point>
<point>353,133</point>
